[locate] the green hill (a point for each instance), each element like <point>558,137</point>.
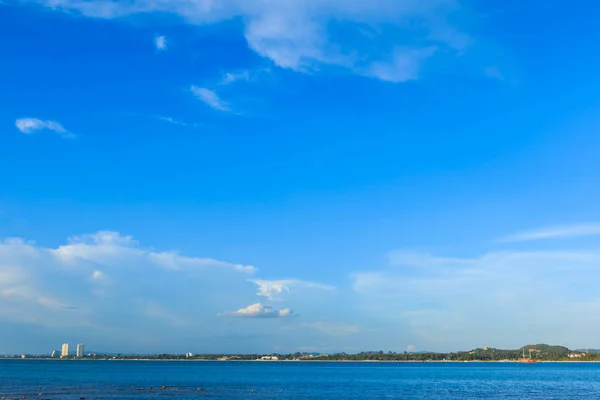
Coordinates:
<point>545,351</point>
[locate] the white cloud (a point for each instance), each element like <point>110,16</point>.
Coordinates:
<point>508,298</point>
<point>270,288</point>
<point>259,311</point>
<point>32,125</point>
<point>161,43</point>
<point>114,292</point>
<point>46,286</point>
<point>20,293</point>
<point>112,248</point>
<point>210,98</point>
<point>102,247</point>
<point>568,231</point>
<point>303,35</point>
<point>105,238</point>
<point>273,288</point>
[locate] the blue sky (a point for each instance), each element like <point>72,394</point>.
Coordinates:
<point>274,176</point>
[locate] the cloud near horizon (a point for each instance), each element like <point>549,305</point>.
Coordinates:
<point>111,289</point>
<point>393,38</point>
<point>504,298</point>
<point>106,277</point>
<point>258,311</point>
<point>107,283</point>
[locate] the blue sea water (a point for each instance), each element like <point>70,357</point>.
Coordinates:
<point>141,380</point>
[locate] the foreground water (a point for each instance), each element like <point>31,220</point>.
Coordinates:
<point>141,380</point>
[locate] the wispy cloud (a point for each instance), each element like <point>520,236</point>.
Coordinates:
<point>231,77</point>
<point>299,35</point>
<point>175,261</point>
<point>258,311</point>
<point>557,232</point>
<point>403,66</point>
<point>177,122</point>
<point>32,125</point>
<point>272,289</point>
<point>167,119</point>
<point>161,43</point>
<point>210,98</point>
<point>245,75</point>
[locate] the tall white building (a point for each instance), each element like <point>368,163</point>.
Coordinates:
<point>80,350</point>
<point>65,350</point>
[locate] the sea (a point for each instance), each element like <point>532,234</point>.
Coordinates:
<point>140,380</point>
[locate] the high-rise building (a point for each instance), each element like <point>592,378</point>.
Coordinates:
<point>53,353</point>
<point>80,350</point>
<point>65,350</point>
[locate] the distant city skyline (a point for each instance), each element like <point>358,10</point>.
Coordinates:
<point>298,175</point>
<point>526,353</point>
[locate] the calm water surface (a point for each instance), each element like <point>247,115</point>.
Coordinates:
<point>141,380</point>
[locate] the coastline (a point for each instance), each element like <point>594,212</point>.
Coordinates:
<point>309,361</point>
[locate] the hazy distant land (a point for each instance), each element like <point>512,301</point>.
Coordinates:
<point>538,352</point>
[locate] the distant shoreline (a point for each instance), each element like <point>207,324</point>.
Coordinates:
<point>307,361</point>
